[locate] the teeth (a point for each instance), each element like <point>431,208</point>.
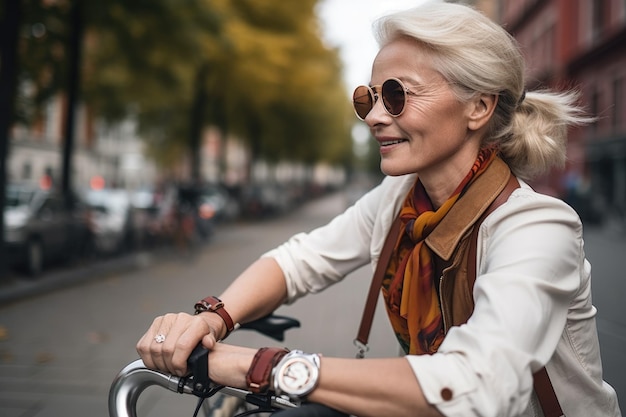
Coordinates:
<point>390,142</point>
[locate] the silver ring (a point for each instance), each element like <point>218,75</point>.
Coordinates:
<point>159,338</point>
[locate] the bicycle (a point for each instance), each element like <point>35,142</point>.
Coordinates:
<point>134,378</point>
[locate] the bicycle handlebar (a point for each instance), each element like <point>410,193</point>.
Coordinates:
<point>134,378</point>
<point>132,381</point>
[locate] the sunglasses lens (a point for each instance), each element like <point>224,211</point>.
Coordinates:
<point>394,96</point>
<point>363,101</point>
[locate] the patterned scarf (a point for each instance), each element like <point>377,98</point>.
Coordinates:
<point>409,286</point>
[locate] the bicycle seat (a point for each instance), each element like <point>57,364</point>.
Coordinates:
<point>273,326</point>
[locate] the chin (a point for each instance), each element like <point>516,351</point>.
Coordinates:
<point>394,171</point>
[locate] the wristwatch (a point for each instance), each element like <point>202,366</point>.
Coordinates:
<point>296,375</point>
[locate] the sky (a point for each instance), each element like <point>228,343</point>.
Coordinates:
<point>347,24</point>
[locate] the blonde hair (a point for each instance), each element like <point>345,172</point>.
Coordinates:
<point>477,56</point>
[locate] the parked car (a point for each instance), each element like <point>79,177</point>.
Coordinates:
<point>40,227</point>
<point>111,219</point>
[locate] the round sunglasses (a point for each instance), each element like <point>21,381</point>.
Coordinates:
<point>392,91</point>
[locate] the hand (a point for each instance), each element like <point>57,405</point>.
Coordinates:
<point>170,339</point>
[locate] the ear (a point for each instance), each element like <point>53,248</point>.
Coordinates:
<point>480,110</point>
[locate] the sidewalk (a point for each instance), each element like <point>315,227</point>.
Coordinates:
<point>17,287</point>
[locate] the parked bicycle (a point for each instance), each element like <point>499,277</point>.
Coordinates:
<point>134,378</point>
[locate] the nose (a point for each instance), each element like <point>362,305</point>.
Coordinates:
<point>377,114</point>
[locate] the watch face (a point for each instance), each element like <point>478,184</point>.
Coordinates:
<point>297,376</point>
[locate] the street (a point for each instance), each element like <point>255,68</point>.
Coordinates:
<point>59,351</point>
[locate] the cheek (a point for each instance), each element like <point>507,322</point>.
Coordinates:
<point>431,115</point>
<point>422,106</point>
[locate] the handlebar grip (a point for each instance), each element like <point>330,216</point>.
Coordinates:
<point>198,364</point>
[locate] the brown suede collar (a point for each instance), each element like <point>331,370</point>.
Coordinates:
<point>451,229</point>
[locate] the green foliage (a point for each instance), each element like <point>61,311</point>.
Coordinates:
<point>290,83</point>
<point>269,79</point>
<point>42,49</point>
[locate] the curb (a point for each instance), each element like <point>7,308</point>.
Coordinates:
<point>20,288</point>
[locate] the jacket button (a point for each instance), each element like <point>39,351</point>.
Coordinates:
<point>446,394</point>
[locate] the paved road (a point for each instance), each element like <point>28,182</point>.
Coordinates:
<point>606,250</point>
<point>60,350</point>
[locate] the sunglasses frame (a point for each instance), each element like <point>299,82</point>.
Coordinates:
<point>374,97</point>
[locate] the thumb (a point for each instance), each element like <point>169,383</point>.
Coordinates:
<point>208,341</point>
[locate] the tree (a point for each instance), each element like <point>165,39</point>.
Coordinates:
<point>10,19</point>
<point>254,69</point>
<point>145,62</point>
<point>285,95</point>
<point>257,69</point>
<point>74,60</point>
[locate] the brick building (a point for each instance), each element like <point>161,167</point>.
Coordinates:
<point>581,44</point>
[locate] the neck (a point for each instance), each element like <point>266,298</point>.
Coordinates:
<point>441,182</point>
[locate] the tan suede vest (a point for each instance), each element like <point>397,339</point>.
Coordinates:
<point>454,244</point>
<point>454,236</point>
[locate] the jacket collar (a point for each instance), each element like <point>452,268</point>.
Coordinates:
<point>482,192</point>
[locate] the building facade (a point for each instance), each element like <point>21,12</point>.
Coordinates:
<point>581,44</point>
<point>113,153</point>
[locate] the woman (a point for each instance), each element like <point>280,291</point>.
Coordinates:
<point>448,108</point>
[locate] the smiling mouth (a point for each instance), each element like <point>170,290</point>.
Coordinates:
<point>391,142</point>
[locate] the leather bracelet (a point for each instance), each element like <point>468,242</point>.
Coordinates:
<point>259,375</point>
<point>213,304</point>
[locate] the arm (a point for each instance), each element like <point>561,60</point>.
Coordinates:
<point>363,387</point>
<point>371,387</point>
<point>306,263</point>
<point>258,291</point>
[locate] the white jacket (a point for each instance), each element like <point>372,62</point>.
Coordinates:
<point>532,303</point>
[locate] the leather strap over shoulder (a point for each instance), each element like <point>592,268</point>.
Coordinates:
<point>377,280</point>
<point>493,189</point>
<point>468,209</point>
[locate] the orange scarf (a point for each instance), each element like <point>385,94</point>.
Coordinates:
<point>409,287</point>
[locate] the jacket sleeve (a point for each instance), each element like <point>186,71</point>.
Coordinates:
<point>312,261</point>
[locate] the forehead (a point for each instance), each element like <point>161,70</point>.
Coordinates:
<point>406,59</point>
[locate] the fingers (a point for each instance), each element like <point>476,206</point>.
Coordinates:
<point>169,341</point>
<point>178,352</point>
<point>143,345</point>
<point>163,342</point>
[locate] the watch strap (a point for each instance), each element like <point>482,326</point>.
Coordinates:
<point>215,305</point>
<point>259,374</point>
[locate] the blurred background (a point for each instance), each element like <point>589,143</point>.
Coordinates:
<point>148,119</point>
<point>138,133</point>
